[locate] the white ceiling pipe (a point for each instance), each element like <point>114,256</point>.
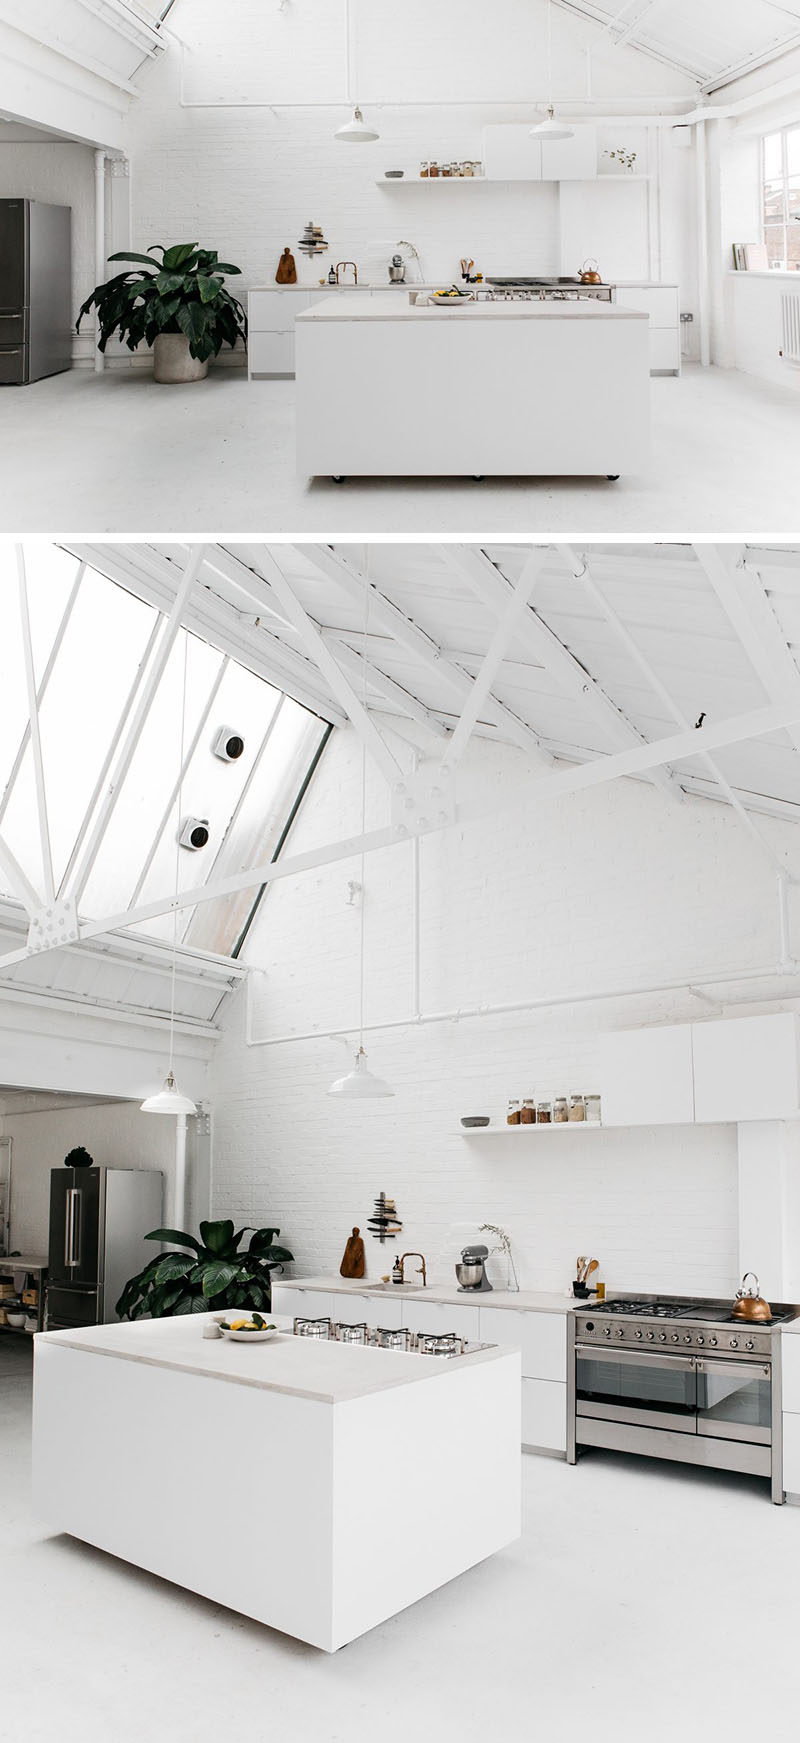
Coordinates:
<point>703,282</point>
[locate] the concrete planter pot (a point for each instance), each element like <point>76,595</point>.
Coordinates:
<point>172,362</point>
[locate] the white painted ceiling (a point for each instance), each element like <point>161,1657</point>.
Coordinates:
<point>712,41</point>
<point>660,595</point>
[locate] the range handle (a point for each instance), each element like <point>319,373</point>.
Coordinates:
<point>637,1358</point>
<point>723,1365</point>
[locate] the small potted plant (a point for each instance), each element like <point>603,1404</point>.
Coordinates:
<point>179,306</point>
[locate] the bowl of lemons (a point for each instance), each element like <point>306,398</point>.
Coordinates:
<point>452,298</point>
<point>248,1329</point>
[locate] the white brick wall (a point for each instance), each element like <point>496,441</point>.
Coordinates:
<point>606,889</point>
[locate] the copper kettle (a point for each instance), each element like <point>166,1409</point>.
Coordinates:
<point>749,1305</point>
<point>589,273</point>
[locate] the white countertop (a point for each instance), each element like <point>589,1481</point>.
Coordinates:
<point>22,1262</point>
<point>587,309</point>
<point>330,1373</point>
<point>363,285</point>
<point>531,1301</point>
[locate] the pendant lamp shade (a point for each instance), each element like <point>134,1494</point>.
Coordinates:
<point>360,1084</point>
<point>168,1100</point>
<point>551,128</point>
<point>356,131</point>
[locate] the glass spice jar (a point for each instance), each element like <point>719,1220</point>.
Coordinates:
<point>544,1114</point>
<point>513,1115</point>
<point>433,168</point>
<point>528,1112</point>
<point>560,1111</point>
<point>577,1110</point>
<point>467,169</point>
<point>447,169</point>
<point>424,168</point>
<point>592,1106</point>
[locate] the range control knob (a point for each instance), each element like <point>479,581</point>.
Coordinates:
<point>687,1337</point>
<point>749,1344</point>
<point>713,1342</point>
<point>620,1332</point>
<point>662,1337</point>
<point>700,1339</point>
<point>734,1343</point>
<point>650,1336</point>
<point>675,1338</point>
<point>638,1333</point>
<point>606,1331</point>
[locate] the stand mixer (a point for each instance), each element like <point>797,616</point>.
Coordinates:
<point>471,1272</point>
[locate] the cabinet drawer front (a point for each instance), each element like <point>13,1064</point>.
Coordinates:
<point>661,304</point>
<point>438,1316</point>
<point>274,311</point>
<point>271,353</point>
<point>12,365</point>
<point>544,1414</point>
<point>665,348</point>
<point>542,1338</point>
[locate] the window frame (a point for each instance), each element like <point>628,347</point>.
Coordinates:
<point>784,226</point>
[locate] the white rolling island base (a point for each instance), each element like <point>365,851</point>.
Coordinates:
<point>316,1487</point>
<point>488,389</point>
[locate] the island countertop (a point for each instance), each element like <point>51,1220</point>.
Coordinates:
<point>347,308</point>
<point>330,1373</point>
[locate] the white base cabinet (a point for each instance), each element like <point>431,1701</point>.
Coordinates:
<point>662,304</point>
<point>544,1416</point>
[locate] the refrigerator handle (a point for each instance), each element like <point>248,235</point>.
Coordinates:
<point>76,1227</point>
<point>68,1229</point>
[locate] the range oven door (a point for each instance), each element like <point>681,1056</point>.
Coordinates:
<point>734,1399</point>
<point>649,1391</point>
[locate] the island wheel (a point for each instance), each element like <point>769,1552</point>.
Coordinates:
<point>337,478</point>
<point>613,477</point>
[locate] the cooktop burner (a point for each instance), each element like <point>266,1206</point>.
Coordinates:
<point>715,1313</point>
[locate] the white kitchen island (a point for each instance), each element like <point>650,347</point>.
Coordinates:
<point>316,1487</point>
<point>486,389</point>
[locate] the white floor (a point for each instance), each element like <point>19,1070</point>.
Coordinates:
<point>116,453</point>
<point>643,1601</point>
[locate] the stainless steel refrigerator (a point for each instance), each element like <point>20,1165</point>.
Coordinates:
<point>35,290</point>
<point>98,1220</point>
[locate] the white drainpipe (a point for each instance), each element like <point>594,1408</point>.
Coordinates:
<point>179,1185</point>
<point>99,241</point>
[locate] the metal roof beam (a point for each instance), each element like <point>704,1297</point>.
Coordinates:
<point>407,634</point>
<point>407,705</point>
<point>35,736</point>
<point>492,588</point>
<point>310,636</point>
<point>582,572</point>
<point>508,622</point>
<point>43,683</point>
<point>639,759</point>
<point>743,598</point>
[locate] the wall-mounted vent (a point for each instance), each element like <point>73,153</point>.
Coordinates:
<point>790,328</point>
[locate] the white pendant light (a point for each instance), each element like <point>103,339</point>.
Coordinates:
<point>356,131</point>
<point>551,128</point>
<point>169,1100</point>
<point>360,1084</point>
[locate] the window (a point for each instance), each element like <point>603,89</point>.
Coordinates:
<point>93,644</point>
<point>780,175</point>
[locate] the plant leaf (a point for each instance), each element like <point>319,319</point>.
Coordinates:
<point>178,1236</point>
<point>171,1266</point>
<point>217,1236</point>
<point>218,1275</point>
<point>262,1240</point>
<point>179,255</point>
<point>144,259</point>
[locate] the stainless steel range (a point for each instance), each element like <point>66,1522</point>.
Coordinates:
<point>676,1378</point>
<point>522,290</point>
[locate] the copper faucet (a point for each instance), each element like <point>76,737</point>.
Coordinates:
<point>344,265</point>
<point>420,1273</point>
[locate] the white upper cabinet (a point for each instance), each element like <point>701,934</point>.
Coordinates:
<point>747,1068</point>
<point>512,154</point>
<point>646,1077</point>
<point>570,160</point>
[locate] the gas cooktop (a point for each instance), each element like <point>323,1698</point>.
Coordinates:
<point>709,1312</point>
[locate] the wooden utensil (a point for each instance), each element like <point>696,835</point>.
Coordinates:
<point>579,1264</point>
<point>591,1267</point>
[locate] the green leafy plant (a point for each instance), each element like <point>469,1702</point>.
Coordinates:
<point>214,1273</point>
<point>185,294</point>
<point>78,1158</point>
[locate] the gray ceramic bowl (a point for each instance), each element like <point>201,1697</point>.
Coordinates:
<point>394,175</point>
<point>469,1120</point>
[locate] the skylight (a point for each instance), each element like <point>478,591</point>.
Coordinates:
<point>94,646</point>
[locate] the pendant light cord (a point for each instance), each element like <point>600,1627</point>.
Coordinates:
<point>179,802</point>
<point>550,53</point>
<point>363,812</point>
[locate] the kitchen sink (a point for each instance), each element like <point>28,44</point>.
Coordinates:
<point>397,1288</point>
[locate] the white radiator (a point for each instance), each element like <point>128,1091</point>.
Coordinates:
<point>790,328</point>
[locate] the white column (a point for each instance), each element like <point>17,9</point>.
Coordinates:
<point>99,240</point>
